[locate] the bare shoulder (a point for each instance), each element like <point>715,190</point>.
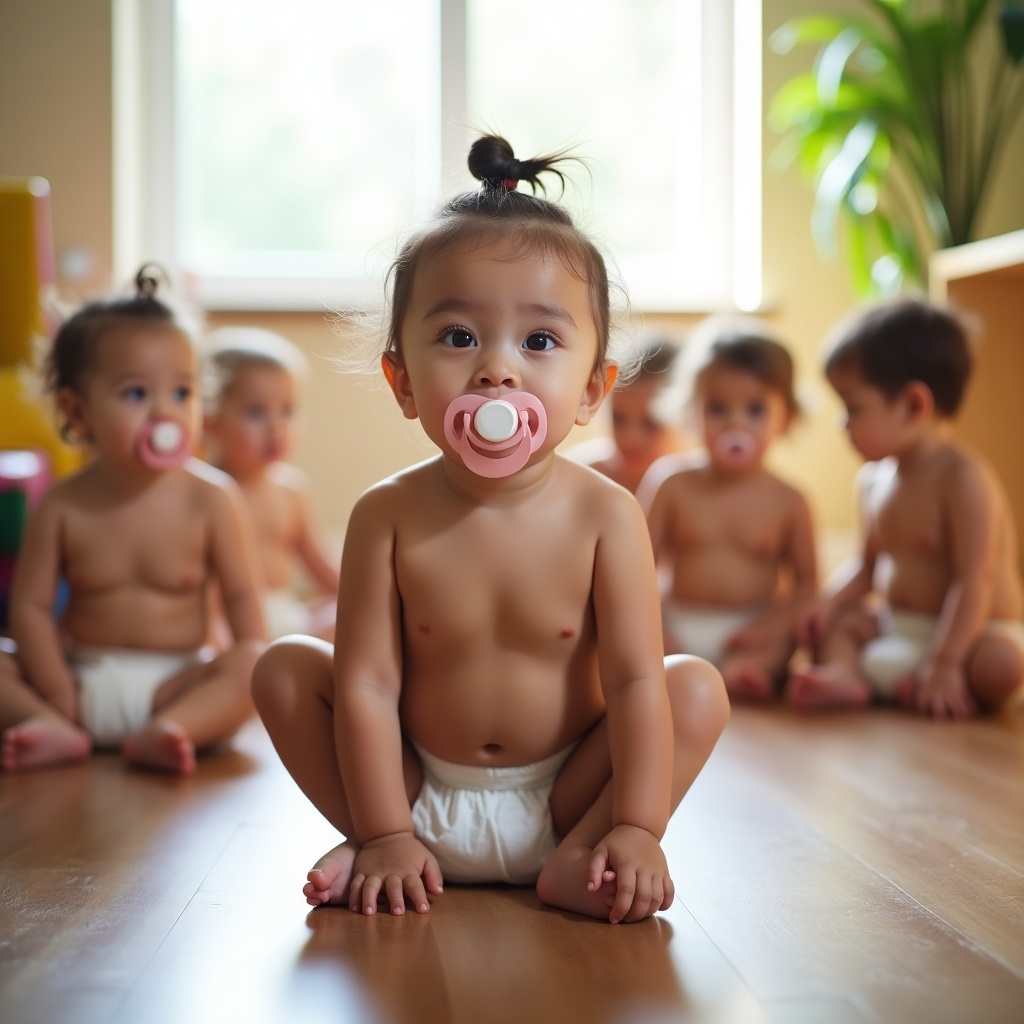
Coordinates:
<point>595,497</point>
<point>405,490</point>
<point>289,478</point>
<point>676,471</point>
<point>963,470</point>
<point>210,486</point>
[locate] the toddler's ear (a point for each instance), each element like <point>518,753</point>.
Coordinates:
<point>601,382</point>
<point>919,400</point>
<point>69,404</point>
<point>398,380</point>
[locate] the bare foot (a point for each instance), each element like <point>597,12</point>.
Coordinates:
<point>37,742</point>
<point>161,745</point>
<point>814,687</point>
<point>329,878</point>
<point>747,682</point>
<point>563,883</point>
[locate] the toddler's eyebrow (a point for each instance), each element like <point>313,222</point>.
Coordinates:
<point>543,309</point>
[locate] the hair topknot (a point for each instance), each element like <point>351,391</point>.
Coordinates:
<point>523,223</point>
<point>493,162</point>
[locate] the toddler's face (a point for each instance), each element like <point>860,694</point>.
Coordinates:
<point>254,424</point>
<point>639,437</point>
<point>143,374</point>
<point>739,416</point>
<point>874,423</point>
<point>488,322</point>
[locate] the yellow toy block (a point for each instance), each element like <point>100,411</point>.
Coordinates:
<point>26,423</point>
<point>27,277</point>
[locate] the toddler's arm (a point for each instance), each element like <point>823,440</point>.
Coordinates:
<point>632,674</point>
<point>312,549</point>
<point>33,625</point>
<point>368,685</point>
<point>973,517</point>
<point>233,561</point>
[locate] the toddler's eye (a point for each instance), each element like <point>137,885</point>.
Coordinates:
<point>539,342</point>
<point>756,409</point>
<point>254,412</point>
<point>182,394</point>
<point>715,408</point>
<point>137,393</point>
<point>458,338</point>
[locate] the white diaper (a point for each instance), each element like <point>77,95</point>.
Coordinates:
<point>903,643</point>
<point>116,687</point>
<point>284,613</point>
<point>703,630</point>
<point>487,824</point>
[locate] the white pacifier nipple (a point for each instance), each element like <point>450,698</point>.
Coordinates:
<point>496,421</point>
<point>165,438</point>
<point>163,444</point>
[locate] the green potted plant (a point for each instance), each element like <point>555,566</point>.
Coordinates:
<point>900,124</point>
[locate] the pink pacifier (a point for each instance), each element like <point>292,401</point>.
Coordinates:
<point>163,444</point>
<point>495,437</point>
<point>734,448</point>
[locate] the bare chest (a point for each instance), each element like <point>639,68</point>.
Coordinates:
<point>908,518</point>
<point>752,524</point>
<point>165,550</point>
<point>467,586</point>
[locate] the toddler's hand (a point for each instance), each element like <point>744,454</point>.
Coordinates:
<point>398,866</point>
<point>643,884</point>
<point>812,624</point>
<point>940,689</point>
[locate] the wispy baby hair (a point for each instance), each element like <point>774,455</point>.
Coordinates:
<point>232,349</point>
<point>499,212</point>
<point>72,353</point>
<point>745,344</point>
<point>903,340</point>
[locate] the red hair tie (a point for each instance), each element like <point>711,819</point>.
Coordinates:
<point>511,184</point>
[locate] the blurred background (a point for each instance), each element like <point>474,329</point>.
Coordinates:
<point>272,153</point>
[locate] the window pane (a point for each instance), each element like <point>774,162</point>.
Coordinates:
<point>300,126</point>
<point>617,80</point>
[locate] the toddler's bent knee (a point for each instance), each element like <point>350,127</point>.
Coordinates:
<point>696,689</point>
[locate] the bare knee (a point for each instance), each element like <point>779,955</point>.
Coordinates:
<point>285,667</point>
<point>699,700</point>
<point>995,671</point>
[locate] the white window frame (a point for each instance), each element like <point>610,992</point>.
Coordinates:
<point>145,175</point>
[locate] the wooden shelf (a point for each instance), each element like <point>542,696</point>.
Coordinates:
<point>985,280</point>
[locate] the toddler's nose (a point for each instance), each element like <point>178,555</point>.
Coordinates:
<point>495,371</point>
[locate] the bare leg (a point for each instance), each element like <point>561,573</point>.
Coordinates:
<point>293,686</point>
<point>995,670</point>
<point>33,733</point>
<point>202,705</point>
<point>581,802</point>
<point>836,681</point>
<point>755,674</point>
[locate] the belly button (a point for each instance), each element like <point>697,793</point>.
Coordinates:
<point>492,748</point>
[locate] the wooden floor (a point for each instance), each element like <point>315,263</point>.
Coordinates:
<point>831,869</point>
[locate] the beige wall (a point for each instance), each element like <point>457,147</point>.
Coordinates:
<point>55,121</point>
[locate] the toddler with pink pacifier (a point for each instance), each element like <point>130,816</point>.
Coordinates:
<point>139,535</point>
<point>497,706</point>
<point>734,542</point>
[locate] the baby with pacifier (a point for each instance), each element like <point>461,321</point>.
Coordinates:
<point>735,544</point>
<point>496,707</point>
<point>139,534</point>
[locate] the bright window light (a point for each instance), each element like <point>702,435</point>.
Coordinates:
<point>272,155</point>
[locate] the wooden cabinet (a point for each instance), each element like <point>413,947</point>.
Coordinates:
<point>985,280</point>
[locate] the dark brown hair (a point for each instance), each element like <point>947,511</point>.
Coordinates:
<point>745,346</point>
<point>72,353</point>
<point>904,340</point>
<point>497,211</point>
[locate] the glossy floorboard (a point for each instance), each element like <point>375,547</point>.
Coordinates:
<point>831,869</point>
